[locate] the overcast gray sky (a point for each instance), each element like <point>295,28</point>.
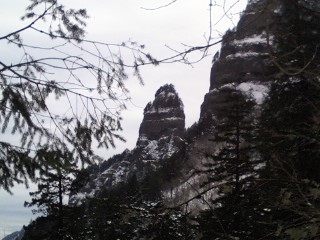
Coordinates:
<point>184,22</point>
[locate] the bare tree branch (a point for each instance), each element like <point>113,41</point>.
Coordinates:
<point>163,6</point>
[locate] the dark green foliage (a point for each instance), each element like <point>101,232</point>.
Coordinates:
<point>114,215</point>
<point>51,189</point>
<point>234,164</point>
<point>291,116</point>
<point>54,183</point>
<point>290,125</point>
<point>42,228</point>
<point>282,201</point>
<point>290,133</point>
<point>130,210</point>
<point>267,165</point>
<point>291,129</point>
<point>49,227</point>
<point>24,165</point>
<point>235,132</point>
<point>54,95</point>
<point>297,37</point>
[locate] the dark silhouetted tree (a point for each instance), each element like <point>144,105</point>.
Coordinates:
<point>234,165</point>
<point>54,183</point>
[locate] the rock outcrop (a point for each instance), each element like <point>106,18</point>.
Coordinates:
<point>163,118</point>
<point>215,161</point>
<point>161,135</point>
<point>162,130</point>
<point>241,67</point>
<point>244,58</point>
<point>245,49</point>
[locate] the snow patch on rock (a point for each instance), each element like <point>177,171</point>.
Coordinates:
<point>258,91</point>
<point>246,55</point>
<point>262,38</point>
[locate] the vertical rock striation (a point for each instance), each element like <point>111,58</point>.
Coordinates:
<point>161,135</point>
<point>163,125</point>
<point>241,68</point>
<point>244,57</point>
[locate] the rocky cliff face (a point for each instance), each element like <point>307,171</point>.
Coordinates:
<point>245,55</point>
<point>219,161</point>
<point>163,118</point>
<point>241,67</point>
<point>163,125</point>
<point>161,135</point>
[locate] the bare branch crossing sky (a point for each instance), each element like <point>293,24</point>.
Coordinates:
<point>179,26</point>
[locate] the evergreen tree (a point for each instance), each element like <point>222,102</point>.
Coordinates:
<point>283,201</point>
<point>68,71</point>
<point>289,131</point>
<point>54,184</point>
<point>233,165</point>
<point>288,185</point>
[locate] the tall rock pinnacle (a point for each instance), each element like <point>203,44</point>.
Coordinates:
<point>244,58</point>
<point>245,49</point>
<point>161,135</point>
<point>163,118</point>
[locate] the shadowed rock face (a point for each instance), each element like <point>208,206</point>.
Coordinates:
<point>163,118</point>
<point>161,135</point>
<point>245,50</point>
<point>241,67</point>
<point>244,56</point>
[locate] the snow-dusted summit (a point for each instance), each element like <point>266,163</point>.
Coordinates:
<point>240,68</point>
<point>161,135</point>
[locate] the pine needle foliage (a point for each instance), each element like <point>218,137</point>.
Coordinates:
<point>63,92</point>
